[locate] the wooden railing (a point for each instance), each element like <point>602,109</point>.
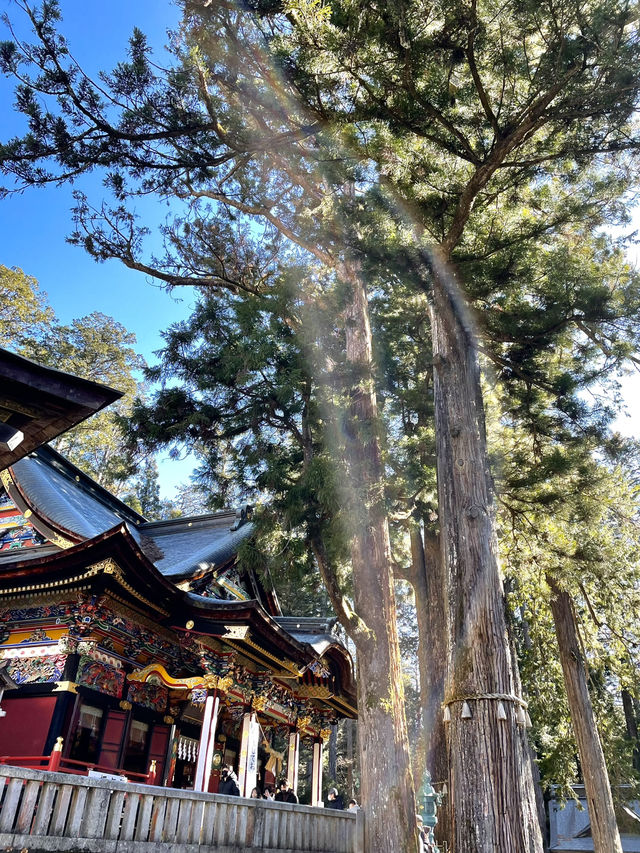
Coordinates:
<point>49,811</point>
<point>78,768</point>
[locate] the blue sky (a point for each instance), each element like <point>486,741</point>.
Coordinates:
<point>34,225</point>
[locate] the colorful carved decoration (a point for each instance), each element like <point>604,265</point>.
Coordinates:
<point>37,636</point>
<point>199,695</point>
<point>152,696</point>
<point>87,647</point>
<point>67,645</point>
<point>259,703</point>
<point>33,670</point>
<point>16,531</point>
<point>89,615</point>
<point>216,682</point>
<point>100,676</point>
<point>156,673</point>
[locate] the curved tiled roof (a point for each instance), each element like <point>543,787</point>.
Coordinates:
<point>73,504</point>
<point>77,506</point>
<point>192,546</point>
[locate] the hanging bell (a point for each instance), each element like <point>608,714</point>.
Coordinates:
<point>466,711</point>
<point>502,714</point>
<point>446,717</point>
<point>521,718</point>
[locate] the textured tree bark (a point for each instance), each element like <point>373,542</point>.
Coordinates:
<point>427,578</point>
<point>387,787</point>
<point>604,829</point>
<point>493,804</point>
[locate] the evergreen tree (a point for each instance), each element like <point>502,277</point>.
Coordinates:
<point>24,312</point>
<point>485,127</point>
<point>95,347</point>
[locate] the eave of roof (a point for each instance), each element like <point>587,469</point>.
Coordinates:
<point>43,402</point>
<point>141,582</point>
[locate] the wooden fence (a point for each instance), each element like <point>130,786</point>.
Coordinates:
<point>44,811</point>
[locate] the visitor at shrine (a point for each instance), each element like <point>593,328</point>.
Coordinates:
<point>426,836</point>
<point>353,806</point>
<point>255,794</point>
<point>285,793</point>
<point>268,793</point>
<point>228,783</point>
<point>334,800</point>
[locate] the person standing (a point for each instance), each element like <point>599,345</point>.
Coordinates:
<point>285,793</point>
<point>228,783</point>
<point>334,800</point>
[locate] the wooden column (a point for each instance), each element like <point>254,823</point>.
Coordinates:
<point>316,773</point>
<point>248,769</point>
<point>293,756</point>
<point>207,742</point>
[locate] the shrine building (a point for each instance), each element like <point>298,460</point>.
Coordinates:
<point>144,645</point>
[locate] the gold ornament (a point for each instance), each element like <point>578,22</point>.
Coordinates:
<point>259,703</point>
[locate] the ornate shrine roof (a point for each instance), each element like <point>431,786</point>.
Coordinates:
<point>43,402</point>
<point>82,537</point>
<point>65,504</point>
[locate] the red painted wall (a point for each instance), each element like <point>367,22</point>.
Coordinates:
<point>24,730</point>
<point>112,739</point>
<point>158,749</point>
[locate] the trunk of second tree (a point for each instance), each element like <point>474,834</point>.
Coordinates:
<point>493,804</point>
<point>427,580</point>
<point>606,838</point>
<point>387,787</point>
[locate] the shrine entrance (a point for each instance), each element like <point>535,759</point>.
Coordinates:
<point>218,728</point>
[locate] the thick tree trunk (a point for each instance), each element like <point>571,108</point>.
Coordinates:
<point>493,804</point>
<point>387,787</point>
<point>427,579</point>
<point>606,838</point>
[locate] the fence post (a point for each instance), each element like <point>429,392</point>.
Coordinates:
<point>151,775</point>
<point>56,755</point>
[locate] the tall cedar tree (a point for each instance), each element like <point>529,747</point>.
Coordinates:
<point>205,127</point>
<point>459,112</point>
